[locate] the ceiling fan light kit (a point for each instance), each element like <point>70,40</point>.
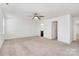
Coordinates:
<point>36,16</point>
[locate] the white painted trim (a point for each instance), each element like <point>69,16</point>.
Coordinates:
<point>19,37</point>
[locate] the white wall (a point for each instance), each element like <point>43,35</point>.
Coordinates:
<point>1,28</point>
<point>46,28</point>
<point>64,28</point>
<point>17,27</point>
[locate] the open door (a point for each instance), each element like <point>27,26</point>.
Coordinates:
<point>77,32</point>
<point>54,30</point>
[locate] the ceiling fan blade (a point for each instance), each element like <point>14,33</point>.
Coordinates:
<point>29,16</point>
<point>41,16</point>
<point>32,17</point>
<point>7,3</point>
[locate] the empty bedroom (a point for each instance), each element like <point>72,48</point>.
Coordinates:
<point>39,29</point>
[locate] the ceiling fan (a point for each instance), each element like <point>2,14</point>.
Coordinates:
<point>7,3</point>
<point>36,16</point>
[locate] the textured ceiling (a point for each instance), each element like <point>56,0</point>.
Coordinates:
<point>46,9</point>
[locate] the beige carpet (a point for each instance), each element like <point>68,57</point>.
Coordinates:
<point>37,46</point>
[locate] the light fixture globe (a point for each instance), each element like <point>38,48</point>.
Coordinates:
<point>35,17</point>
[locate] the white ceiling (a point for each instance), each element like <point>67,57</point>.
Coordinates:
<point>46,9</point>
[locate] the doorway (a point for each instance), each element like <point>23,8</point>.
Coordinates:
<point>54,30</point>
<point>77,31</point>
<point>42,33</point>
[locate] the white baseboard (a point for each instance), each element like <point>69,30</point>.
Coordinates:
<point>19,37</point>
